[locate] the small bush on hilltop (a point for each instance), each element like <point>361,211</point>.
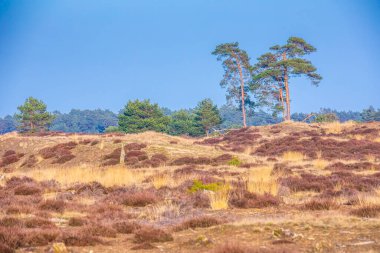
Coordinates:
<point>198,185</point>
<point>234,161</point>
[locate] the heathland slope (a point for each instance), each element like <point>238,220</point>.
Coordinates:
<point>290,187</point>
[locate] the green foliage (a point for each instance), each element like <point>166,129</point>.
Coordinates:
<point>139,116</point>
<point>7,124</point>
<point>294,64</point>
<point>33,116</point>
<point>84,121</point>
<point>199,186</point>
<point>268,77</point>
<point>326,117</point>
<point>234,161</point>
<point>232,117</point>
<point>237,74</point>
<point>207,115</point>
<point>184,123</point>
<point>370,114</point>
<point>112,129</point>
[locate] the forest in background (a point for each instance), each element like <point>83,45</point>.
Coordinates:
<point>96,121</point>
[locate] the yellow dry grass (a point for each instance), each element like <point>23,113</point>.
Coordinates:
<point>320,164</point>
<point>108,177</point>
<point>369,199</point>
<point>371,158</point>
<point>333,127</point>
<point>219,199</point>
<point>260,180</point>
<point>293,156</point>
<point>161,180</point>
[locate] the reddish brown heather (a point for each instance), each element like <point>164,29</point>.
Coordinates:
<point>369,211</point>
<point>141,198</point>
<point>126,227</point>
<point>152,234</point>
<point>60,152</point>
<point>53,205</point>
<point>332,149</point>
<point>35,222</point>
<point>77,222</point>
<point>102,230</point>
<point>9,157</point>
<point>320,204</point>
<point>27,189</point>
<point>245,199</point>
<point>235,140</point>
<point>30,161</point>
<point>198,222</point>
<point>80,238</point>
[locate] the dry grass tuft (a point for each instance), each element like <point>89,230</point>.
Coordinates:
<point>333,127</point>
<point>162,180</point>
<point>260,180</point>
<point>220,198</point>
<point>293,156</point>
<point>320,164</point>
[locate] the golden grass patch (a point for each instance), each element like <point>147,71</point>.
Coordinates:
<point>320,164</point>
<point>219,199</point>
<point>108,177</point>
<point>333,127</point>
<point>293,156</point>
<point>260,180</point>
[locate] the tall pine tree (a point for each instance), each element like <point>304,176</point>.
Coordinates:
<point>237,75</point>
<point>289,59</point>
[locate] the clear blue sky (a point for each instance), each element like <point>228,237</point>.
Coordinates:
<point>88,54</point>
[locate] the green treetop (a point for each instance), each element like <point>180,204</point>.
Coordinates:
<point>33,116</point>
<point>207,114</point>
<point>139,116</point>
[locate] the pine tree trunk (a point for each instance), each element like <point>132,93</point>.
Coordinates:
<point>281,95</point>
<point>286,88</point>
<point>242,93</point>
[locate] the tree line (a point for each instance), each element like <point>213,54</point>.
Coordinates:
<point>181,122</point>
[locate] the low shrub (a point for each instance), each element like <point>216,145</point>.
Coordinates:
<point>10,222</point>
<point>234,162</point>
<point>199,185</point>
<point>6,249</point>
<point>139,198</point>
<point>36,222</point>
<point>77,222</point>
<point>125,227</point>
<point>367,211</point>
<point>27,189</point>
<point>151,234</point>
<point>198,222</point>
<point>80,238</point>
<point>53,205</point>
<point>320,204</point>
<point>245,199</point>
<point>100,230</point>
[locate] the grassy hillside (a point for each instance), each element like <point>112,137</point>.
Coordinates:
<point>290,187</point>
